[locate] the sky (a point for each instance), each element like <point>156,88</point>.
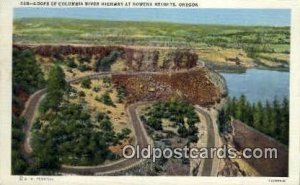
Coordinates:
<point>261,17</point>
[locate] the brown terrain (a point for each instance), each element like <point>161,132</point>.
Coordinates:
<point>193,85</point>
<point>57,51</point>
<point>23,97</point>
<point>245,136</point>
<point>242,136</point>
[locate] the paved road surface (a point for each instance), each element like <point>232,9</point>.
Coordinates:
<point>139,130</point>
<point>208,163</point>
<point>28,114</point>
<point>141,139</point>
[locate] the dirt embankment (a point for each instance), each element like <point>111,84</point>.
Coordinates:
<point>192,85</point>
<point>245,136</point>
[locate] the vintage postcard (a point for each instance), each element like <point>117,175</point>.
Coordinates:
<point>150,92</point>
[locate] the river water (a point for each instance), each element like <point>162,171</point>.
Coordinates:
<point>258,85</point>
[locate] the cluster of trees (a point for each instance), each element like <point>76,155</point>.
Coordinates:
<point>271,118</point>
<point>66,133</point>
<point>19,165</point>
<point>27,76</point>
<point>56,87</point>
<point>106,125</point>
<point>84,59</point>
<point>104,63</point>
<point>72,137</point>
<point>82,66</point>
<point>176,112</point>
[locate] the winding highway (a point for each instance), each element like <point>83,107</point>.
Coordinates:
<point>141,136</point>
<point>211,142</point>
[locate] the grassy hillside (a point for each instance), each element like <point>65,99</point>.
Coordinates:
<point>267,45</point>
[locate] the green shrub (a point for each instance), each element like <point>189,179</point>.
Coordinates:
<point>105,63</point>
<point>83,67</point>
<point>86,83</point>
<point>71,63</point>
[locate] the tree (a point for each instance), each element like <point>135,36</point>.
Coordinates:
<point>100,116</point>
<point>83,67</point>
<point>106,125</point>
<point>84,58</point>
<point>192,130</point>
<point>71,63</point>
<point>177,112</point>
<point>124,134</point>
<point>258,116</point>
<point>120,93</point>
<point>56,85</point>
<point>19,165</point>
<point>104,63</point>
<point>268,121</point>
<point>182,131</point>
<point>276,117</point>
<point>248,113</point>
<point>105,98</point>
<point>232,107</point>
<point>284,134</point>
<point>47,160</point>
<point>222,120</point>
<point>73,137</point>
<point>154,123</point>
<point>86,83</point>
<point>269,118</point>
<point>241,111</point>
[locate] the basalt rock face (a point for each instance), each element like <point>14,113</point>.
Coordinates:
<point>170,73</point>
<point>58,51</point>
<point>134,59</point>
<point>192,85</point>
<point>218,80</point>
<point>231,169</point>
